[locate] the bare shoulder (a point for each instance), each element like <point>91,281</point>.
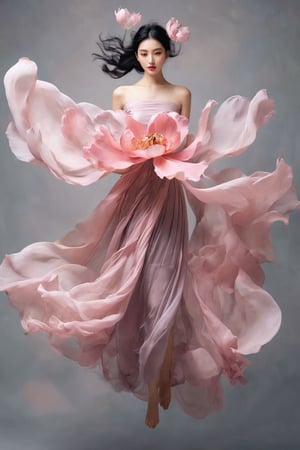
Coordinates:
<point>118,97</point>
<point>182,92</point>
<point>183,97</point>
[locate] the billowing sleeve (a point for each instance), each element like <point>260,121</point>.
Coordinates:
<point>231,312</point>
<point>233,127</point>
<point>35,133</point>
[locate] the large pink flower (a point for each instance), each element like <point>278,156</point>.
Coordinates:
<point>119,141</point>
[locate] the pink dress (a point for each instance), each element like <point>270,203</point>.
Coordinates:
<point>111,290</point>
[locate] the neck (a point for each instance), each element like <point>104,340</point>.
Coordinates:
<point>147,80</point>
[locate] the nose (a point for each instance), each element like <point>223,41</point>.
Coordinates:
<point>151,59</point>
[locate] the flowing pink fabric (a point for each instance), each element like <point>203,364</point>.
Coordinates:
<point>112,290</point>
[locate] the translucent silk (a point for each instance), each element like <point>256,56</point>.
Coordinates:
<point>113,289</point>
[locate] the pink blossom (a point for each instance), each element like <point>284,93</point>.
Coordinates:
<point>118,141</point>
<point>176,31</point>
<point>126,19</point>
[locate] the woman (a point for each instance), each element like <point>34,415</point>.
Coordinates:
<point>148,53</point>
<point>155,309</point>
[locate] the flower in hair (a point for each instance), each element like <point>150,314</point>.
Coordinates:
<point>176,31</point>
<point>126,19</point>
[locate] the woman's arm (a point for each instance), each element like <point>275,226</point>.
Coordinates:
<point>118,98</point>
<point>186,103</point>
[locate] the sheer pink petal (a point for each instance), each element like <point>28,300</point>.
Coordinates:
<point>105,156</point>
<point>259,316</point>
<point>113,121</point>
<point>91,110</point>
<point>126,141</point>
<point>229,194</point>
<point>195,144</point>
<point>189,147</point>
<point>151,152</point>
<point>77,127</point>
<point>37,108</point>
<point>234,126</point>
<point>137,128</point>
<point>203,131</point>
<point>182,124</point>
<point>169,167</point>
<point>277,185</point>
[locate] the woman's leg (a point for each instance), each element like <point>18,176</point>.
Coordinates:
<point>159,391</point>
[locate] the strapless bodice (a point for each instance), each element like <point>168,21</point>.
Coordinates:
<point>142,110</point>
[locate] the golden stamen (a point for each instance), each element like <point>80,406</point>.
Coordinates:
<point>148,140</point>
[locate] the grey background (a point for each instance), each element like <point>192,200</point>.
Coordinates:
<point>236,46</point>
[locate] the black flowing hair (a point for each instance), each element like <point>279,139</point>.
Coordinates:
<point>119,59</point>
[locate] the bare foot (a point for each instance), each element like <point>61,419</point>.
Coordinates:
<point>165,393</point>
<point>165,376</point>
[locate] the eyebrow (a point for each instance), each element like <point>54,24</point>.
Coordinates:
<point>145,50</point>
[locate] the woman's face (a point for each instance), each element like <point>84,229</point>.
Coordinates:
<point>151,55</point>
